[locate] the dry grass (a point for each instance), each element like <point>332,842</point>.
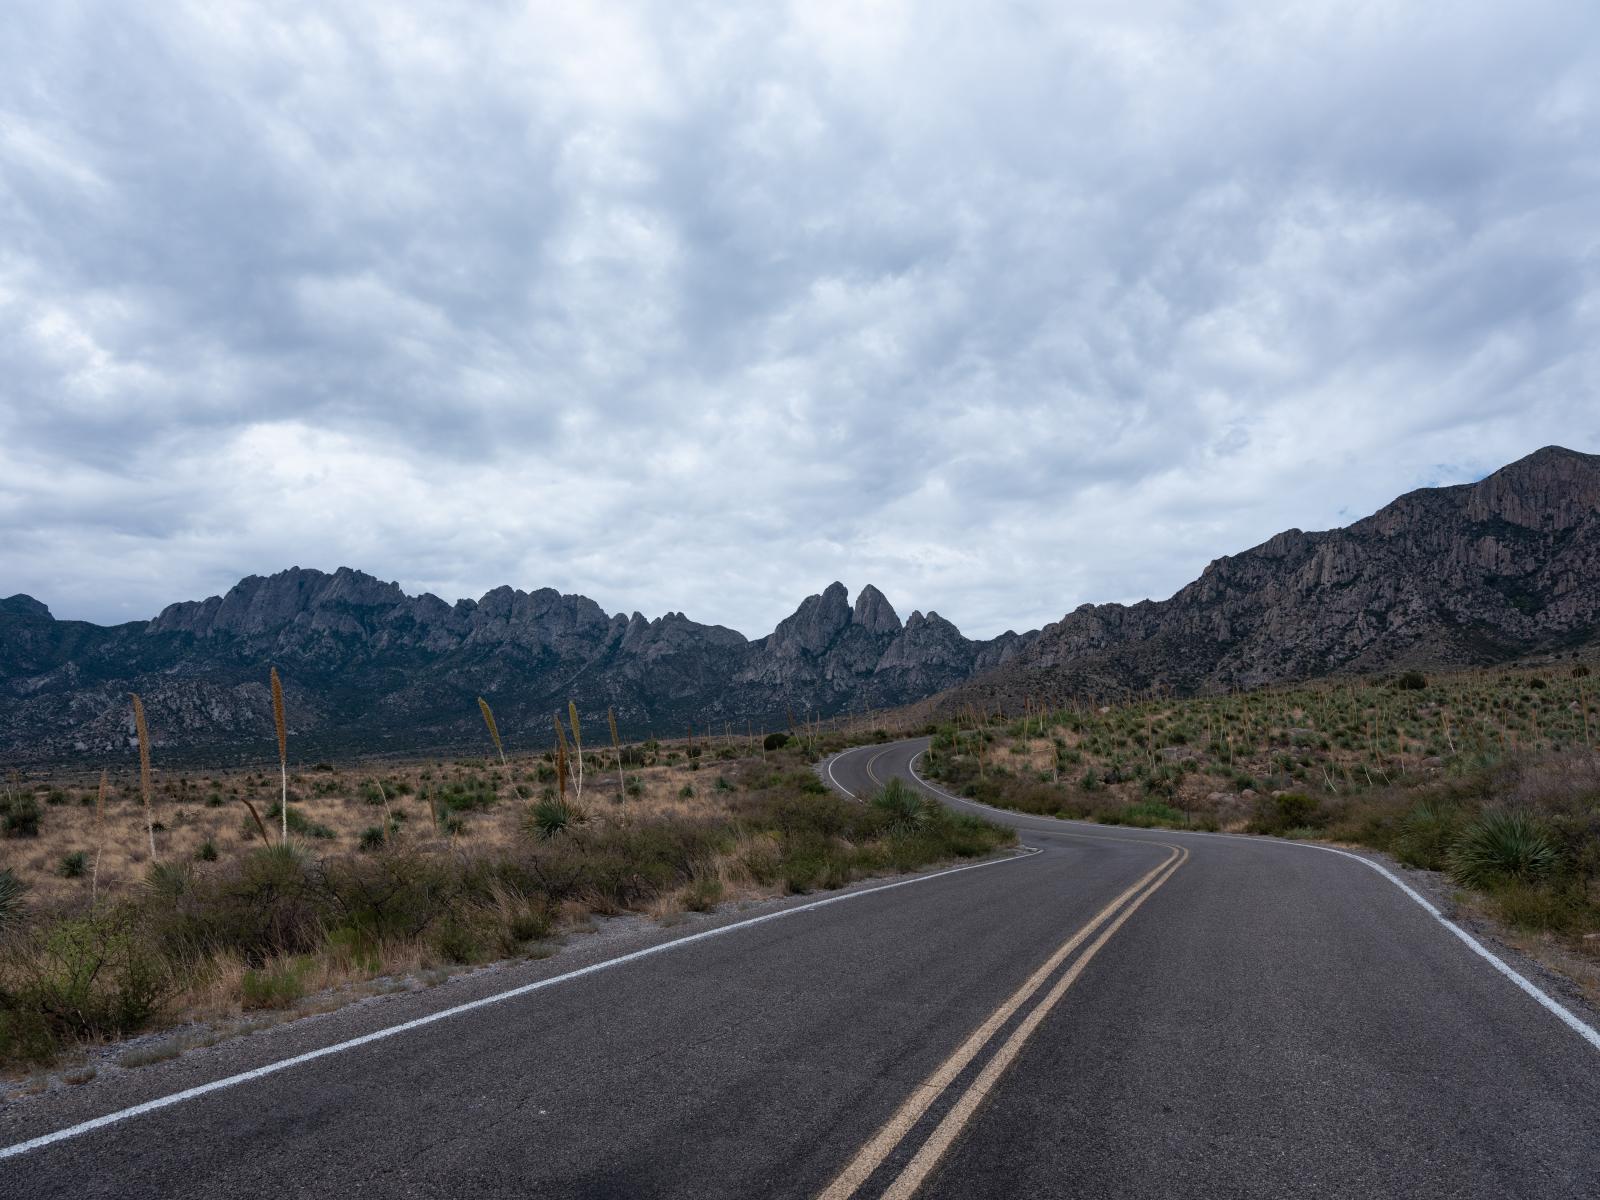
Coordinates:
<point>196,808</point>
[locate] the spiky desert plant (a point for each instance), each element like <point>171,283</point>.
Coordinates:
<point>283,750</point>
<point>143,730</point>
<point>99,837</point>
<point>494,730</point>
<point>905,810</point>
<point>616,745</point>
<point>577,742</point>
<point>1503,844</point>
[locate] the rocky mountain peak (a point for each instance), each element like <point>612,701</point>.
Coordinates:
<point>815,624</point>
<point>1551,489</point>
<point>874,612</point>
<point>22,605</point>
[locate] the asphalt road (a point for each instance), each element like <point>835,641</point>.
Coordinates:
<point>1123,1013</point>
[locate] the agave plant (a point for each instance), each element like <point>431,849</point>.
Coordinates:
<point>906,809</point>
<point>553,815</point>
<point>1501,845</point>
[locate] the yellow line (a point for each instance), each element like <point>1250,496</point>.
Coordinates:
<point>871,1156</point>
<point>956,1119</point>
<point>872,762</point>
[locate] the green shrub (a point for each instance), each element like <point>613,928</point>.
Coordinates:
<point>276,984</point>
<point>1502,845</point>
<point>19,815</point>
<point>703,893</point>
<point>72,866</point>
<point>207,851</point>
<point>775,741</point>
<point>1147,814</point>
<point>1279,815</point>
<point>1543,908</point>
<point>372,838</point>
<point>1412,681</point>
<point>1425,835</point>
<point>298,823</point>
<point>88,976</point>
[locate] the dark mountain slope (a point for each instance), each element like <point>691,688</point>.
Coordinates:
<point>1472,574</point>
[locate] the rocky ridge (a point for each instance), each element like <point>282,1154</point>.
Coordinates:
<point>367,666</point>
<point>1472,574</point>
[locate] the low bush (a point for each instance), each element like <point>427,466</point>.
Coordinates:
<point>276,984</point>
<point>19,815</point>
<point>1286,813</point>
<point>1425,835</point>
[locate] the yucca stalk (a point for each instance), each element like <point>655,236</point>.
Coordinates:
<point>561,758</point>
<point>99,838</point>
<point>577,741</point>
<point>143,730</point>
<point>283,750</point>
<point>260,824</point>
<point>494,730</point>
<point>616,745</point>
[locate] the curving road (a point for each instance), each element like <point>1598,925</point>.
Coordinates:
<point>1115,1013</point>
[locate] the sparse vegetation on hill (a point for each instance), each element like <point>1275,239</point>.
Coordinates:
<point>1491,776</point>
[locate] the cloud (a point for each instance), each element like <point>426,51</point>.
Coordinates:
<point>701,306</point>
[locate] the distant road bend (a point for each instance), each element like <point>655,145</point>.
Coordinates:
<point>1119,1013</point>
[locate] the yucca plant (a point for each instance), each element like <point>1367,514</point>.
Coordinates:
<point>577,742</point>
<point>283,750</point>
<point>143,732</point>
<point>906,809</point>
<point>99,838</point>
<point>561,759</point>
<point>550,817</point>
<point>494,730</point>
<point>616,745</point>
<point>1502,845</point>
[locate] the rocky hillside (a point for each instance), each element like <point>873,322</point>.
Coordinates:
<point>1474,574</point>
<point>367,667</point>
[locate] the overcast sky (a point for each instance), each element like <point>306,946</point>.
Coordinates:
<point>1002,307</point>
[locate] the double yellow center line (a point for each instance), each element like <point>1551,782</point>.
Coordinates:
<point>872,1155</point>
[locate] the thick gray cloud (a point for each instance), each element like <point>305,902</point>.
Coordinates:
<point>700,306</point>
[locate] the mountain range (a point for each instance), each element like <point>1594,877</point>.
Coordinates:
<point>1471,574</point>
<point>366,666</point>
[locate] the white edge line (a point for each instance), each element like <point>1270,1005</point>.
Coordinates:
<point>834,781</point>
<point>1574,1022</point>
<point>284,1064</point>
